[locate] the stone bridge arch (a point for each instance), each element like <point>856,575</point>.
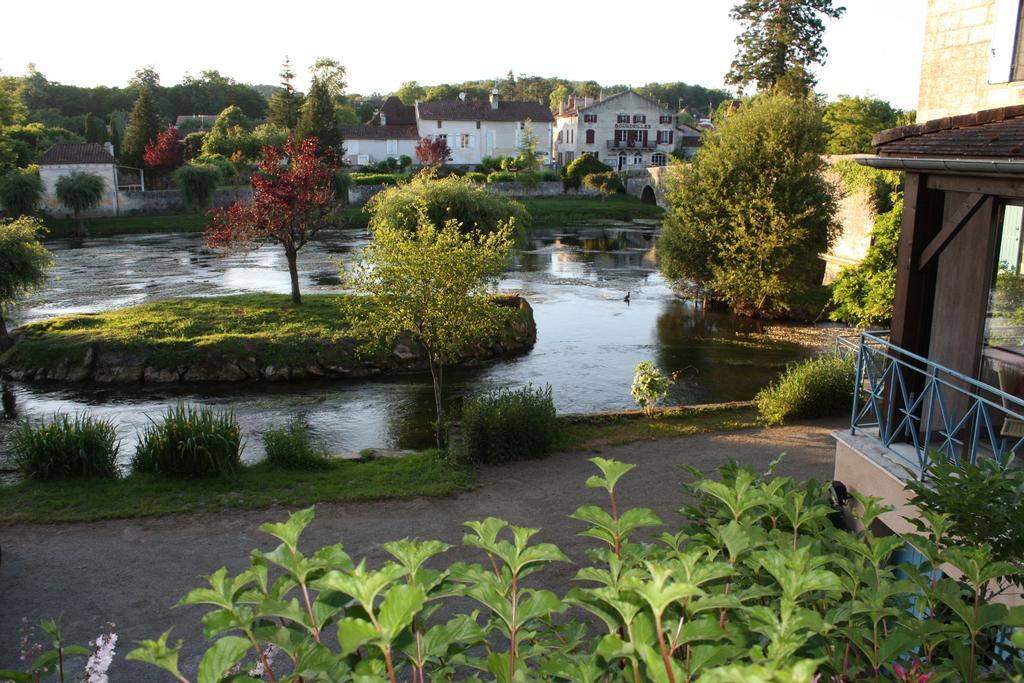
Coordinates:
<point>648,184</point>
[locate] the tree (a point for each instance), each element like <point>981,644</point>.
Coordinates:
<point>12,109</point>
<point>21,192</point>
<point>527,159</point>
<point>115,136</point>
<point>292,195</point>
<point>853,121</point>
<point>320,118</point>
<point>332,74</point>
<point>93,129</point>
<point>432,285</point>
<point>410,91</point>
<point>197,183</point>
<point>433,152</point>
<point>143,127</point>
<point>580,167</point>
<point>558,95</point>
<point>606,183</point>
<point>507,88</point>
<point>23,265</point>
<point>753,210</point>
<point>780,42</point>
<point>286,102</point>
<point>230,136</point>
<point>80,191</point>
<point>164,153</point>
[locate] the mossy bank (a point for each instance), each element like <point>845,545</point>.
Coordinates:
<point>254,338</point>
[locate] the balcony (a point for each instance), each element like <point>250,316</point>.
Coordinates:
<point>638,145</point>
<point>917,410</point>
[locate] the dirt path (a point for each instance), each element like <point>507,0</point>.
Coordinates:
<point>132,571</point>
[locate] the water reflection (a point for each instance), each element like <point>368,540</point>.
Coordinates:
<point>589,339</point>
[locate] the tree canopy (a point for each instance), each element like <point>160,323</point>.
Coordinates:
<point>144,125</point>
<point>286,102</point>
<point>780,42</point>
<point>80,191</point>
<point>320,117</point>
<point>751,213</point>
<point>24,262</point>
<point>853,121</point>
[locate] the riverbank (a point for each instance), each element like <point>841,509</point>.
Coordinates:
<point>428,473</point>
<point>553,212</point>
<point>250,337</point>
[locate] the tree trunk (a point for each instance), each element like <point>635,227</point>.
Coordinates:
<point>293,272</point>
<point>435,374</point>
<point>81,231</point>
<point>5,338</point>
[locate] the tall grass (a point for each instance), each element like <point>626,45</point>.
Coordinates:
<point>509,424</point>
<point>819,387</point>
<point>290,447</point>
<point>190,442</point>
<point>67,448</point>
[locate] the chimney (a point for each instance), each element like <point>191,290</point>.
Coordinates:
<point>494,99</point>
<point>109,146</point>
<point>462,96</point>
<point>383,118</point>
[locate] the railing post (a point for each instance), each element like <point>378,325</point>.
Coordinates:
<point>856,384</point>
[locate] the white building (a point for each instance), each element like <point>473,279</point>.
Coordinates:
<point>476,129</point>
<point>66,158</point>
<point>391,133</point>
<point>624,131</point>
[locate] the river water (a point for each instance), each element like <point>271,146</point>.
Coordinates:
<point>588,342</point>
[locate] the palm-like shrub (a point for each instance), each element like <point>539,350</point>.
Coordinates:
<point>67,448</point>
<point>80,191</point>
<point>197,182</point>
<point>21,192</point>
<point>190,442</point>
<point>509,424</point>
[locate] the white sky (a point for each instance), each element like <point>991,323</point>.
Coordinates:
<point>874,49</point>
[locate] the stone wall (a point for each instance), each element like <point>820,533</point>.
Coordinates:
<point>960,42</point>
<point>856,216</point>
<point>170,201</point>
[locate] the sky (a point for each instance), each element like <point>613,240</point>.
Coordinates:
<point>875,48</point>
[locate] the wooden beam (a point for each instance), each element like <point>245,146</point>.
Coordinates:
<point>1003,187</point>
<point>951,227</point>
<point>911,316</point>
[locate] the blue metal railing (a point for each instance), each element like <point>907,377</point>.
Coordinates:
<point>918,409</point>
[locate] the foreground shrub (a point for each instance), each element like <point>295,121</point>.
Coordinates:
<point>290,447</point>
<point>650,385</point>
<point>197,183</point>
<point>819,387</point>
<point>509,424</point>
<point>580,167</point>
<point>67,448</point>
<point>190,442</point>
<point>757,585</point>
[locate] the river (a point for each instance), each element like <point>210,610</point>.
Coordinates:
<point>589,340</point>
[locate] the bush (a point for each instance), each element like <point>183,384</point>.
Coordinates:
<point>492,164</point>
<point>197,183</point>
<point>549,176</point>
<point>578,168</point>
<point>509,424</point>
<point>190,442</point>
<point>607,183</point>
<point>501,177</point>
<point>819,387</point>
<point>341,182</point>
<point>377,178</point>
<point>753,583</point>
<point>21,193</point>
<point>193,145</point>
<point>228,170</point>
<point>650,385</point>
<point>477,177</point>
<point>289,447</point>
<point>67,448</point>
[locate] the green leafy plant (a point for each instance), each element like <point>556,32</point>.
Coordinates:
<point>197,183</point>
<point>24,263</point>
<point>509,424</point>
<point>54,662</point>
<point>21,192</point>
<point>606,183</point>
<point>80,191</point>
<point>756,585</point>
<point>290,447</point>
<point>817,387</point>
<point>67,448</point>
<point>190,442</point>
<point>579,168</point>
<point>650,385</point>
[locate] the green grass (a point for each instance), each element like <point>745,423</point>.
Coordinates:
<point>582,432</point>
<point>254,487</point>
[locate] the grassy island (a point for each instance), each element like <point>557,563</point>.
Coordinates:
<point>224,339</point>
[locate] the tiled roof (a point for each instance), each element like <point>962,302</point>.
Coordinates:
<point>76,153</point>
<point>396,113</point>
<point>481,110</point>
<point>371,132</point>
<point>989,134</point>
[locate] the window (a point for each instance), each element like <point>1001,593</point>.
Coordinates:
<point>478,125</point>
<point>638,159</point>
<point>465,141</point>
<point>1017,65</point>
<point>1006,61</point>
<point>590,136</point>
<point>622,118</point>
<point>659,159</point>
<point>590,118</point>
<point>665,119</point>
<point>665,137</point>
<point>639,118</point>
<point>1003,354</point>
<point>438,124</point>
<point>559,136</point>
<point>392,147</point>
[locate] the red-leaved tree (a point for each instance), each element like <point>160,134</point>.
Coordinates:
<point>433,152</point>
<point>292,195</point>
<point>164,153</point>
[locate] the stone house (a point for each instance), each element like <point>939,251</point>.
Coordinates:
<point>64,159</point>
<point>973,57</point>
<point>391,133</point>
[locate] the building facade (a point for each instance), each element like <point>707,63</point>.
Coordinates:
<point>973,57</point>
<point>391,133</point>
<point>475,129</point>
<point>63,159</point>
<point>624,131</point>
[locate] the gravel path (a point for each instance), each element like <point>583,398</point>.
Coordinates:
<point>132,571</point>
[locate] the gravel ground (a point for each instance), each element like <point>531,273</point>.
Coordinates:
<point>131,572</point>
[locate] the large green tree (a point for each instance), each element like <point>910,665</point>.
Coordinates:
<point>431,284</point>
<point>21,192</point>
<point>410,91</point>
<point>144,125</point>
<point>853,121</point>
<point>751,213</point>
<point>320,117</point>
<point>80,191</point>
<point>231,137</point>
<point>286,102</point>
<point>23,265</point>
<point>780,42</point>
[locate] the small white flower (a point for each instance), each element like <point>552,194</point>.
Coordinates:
<point>102,656</point>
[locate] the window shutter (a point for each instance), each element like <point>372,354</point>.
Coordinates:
<point>472,140</point>
<point>1003,32</point>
